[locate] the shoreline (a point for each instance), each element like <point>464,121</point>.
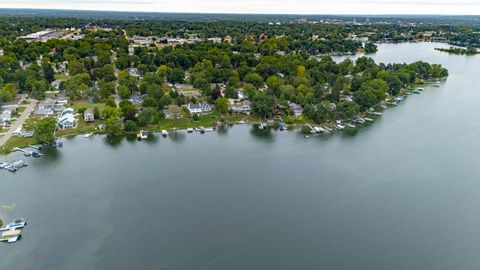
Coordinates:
<point>21,142</point>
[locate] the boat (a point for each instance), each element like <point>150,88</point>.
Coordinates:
<point>142,135</point>
<point>416,91</point>
<point>399,98</point>
<point>189,130</point>
<point>383,106</point>
<point>282,126</point>
<point>88,135</point>
<point>164,133</point>
<point>340,127</point>
<point>36,154</point>
<point>209,129</point>
<point>19,164</point>
<point>377,113</point>
<point>360,120</point>
<point>16,224</point>
<point>419,89</point>
<point>262,126</point>
<point>350,125</point>
<point>10,167</point>
<point>201,129</point>
<point>368,119</point>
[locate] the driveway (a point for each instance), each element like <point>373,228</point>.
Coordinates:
<point>21,119</point>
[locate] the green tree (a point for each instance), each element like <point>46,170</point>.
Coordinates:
<point>370,48</point>
<point>44,130</point>
<point>148,116</point>
<point>109,112</point>
<point>123,92</point>
<point>48,72</point>
<point>263,105</point>
<point>221,105</point>
<point>130,126</point>
<point>254,78</point>
<point>274,84</point>
<point>113,126</point>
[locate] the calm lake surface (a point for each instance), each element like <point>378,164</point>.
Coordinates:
<point>403,193</point>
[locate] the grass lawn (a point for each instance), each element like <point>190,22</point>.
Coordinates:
<point>81,128</point>
<point>16,142</point>
<point>61,77</point>
<point>182,123</point>
<point>20,110</point>
<point>78,104</point>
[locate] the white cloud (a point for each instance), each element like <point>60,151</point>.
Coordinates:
<point>262,6</point>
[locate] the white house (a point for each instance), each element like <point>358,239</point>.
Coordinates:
<point>67,119</point>
<point>6,116</point>
<point>199,108</point>
<point>89,116</point>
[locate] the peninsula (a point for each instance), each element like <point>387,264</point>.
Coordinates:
<point>119,76</point>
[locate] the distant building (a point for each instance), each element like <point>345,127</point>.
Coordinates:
<point>89,116</point>
<point>199,108</point>
<point>44,35</point>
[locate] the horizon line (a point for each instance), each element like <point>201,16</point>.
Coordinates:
<point>246,13</point>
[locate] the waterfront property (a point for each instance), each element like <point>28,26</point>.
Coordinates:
<point>296,109</point>
<point>88,116</point>
<point>67,119</point>
<point>244,106</point>
<point>199,108</point>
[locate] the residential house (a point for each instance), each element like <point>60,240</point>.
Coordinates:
<point>67,119</point>
<point>134,72</point>
<point>6,117</point>
<point>243,106</point>
<point>89,116</point>
<point>49,107</point>
<point>45,108</point>
<point>172,112</point>
<point>297,109</point>
<point>199,108</point>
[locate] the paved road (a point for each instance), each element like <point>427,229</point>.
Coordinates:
<point>23,117</point>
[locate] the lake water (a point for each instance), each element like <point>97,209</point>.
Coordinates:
<point>403,193</point>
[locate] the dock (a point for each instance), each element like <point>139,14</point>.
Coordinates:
<point>13,166</point>
<point>312,130</point>
<point>12,232</point>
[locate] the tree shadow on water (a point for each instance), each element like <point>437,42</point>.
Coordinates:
<point>113,141</point>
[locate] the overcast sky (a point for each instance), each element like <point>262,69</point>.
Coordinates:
<point>471,7</point>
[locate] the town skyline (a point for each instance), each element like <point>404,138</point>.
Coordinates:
<point>349,7</point>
